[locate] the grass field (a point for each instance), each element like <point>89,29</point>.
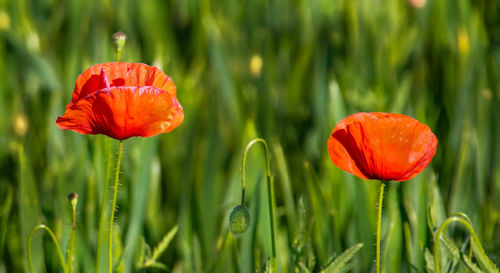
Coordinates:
<point>285,71</point>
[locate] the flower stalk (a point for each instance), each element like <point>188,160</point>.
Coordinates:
<point>474,245</point>
<point>379,222</point>
<point>73,200</point>
<point>270,192</point>
<point>119,40</point>
<point>54,239</point>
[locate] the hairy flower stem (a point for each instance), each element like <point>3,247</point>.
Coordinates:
<point>118,54</point>
<point>113,205</point>
<point>119,41</point>
<point>71,249</point>
<point>270,192</point>
<point>379,221</point>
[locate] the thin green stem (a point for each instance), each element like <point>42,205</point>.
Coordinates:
<point>118,55</point>
<point>54,239</point>
<point>70,251</point>
<point>379,221</point>
<point>113,205</point>
<point>270,192</point>
<point>477,244</point>
<point>102,217</point>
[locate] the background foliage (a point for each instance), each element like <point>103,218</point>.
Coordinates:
<point>321,61</point>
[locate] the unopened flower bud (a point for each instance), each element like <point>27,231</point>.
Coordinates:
<point>239,219</point>
<point>119,38</point>
<point>73,199</point>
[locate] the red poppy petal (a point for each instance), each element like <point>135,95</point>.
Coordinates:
<point>120,74</point>
<point>123,112</point>
<point>342,152</point>
<point>422,151</point>
<point>382,146</point>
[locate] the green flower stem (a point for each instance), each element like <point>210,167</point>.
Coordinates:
<point>270,192</point>
<point>118,54</point>
<point>113,205</point>
<point>70,251</point>
<point>379,221</point>
<point>474,239</point>
<point>102,217</point>
<point>119,41</point>
<point>54,239</point>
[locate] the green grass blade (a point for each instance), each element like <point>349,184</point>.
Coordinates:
<point>29,208</point>
<point>163,245</point>
<point>338,264</point>
<point>470,264</point>
<point>429,261</point>
<point>142,154</point>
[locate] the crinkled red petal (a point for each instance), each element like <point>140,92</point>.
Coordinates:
<point>120,74</point>
<point>121,112</point>
<point>382,146</point>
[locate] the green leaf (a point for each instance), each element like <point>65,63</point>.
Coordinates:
<point>28,206</point>
<point>159,249</point>
<point>342,261</point>
<point>142,156</point>
<point>429,261</point>
<point>303,268</point>
<point>157,265</point>
<point>5,210</point>
<point>165,242</point>
<point>470,264</point>
<point>452,250</point>
<point>483,260</point>
<point>141,254</point>
<point>118,266</point>
<point>451,247</point>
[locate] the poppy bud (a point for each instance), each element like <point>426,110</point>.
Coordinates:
<point>120,39</point>
<point>239,219</point>
<point>73,199</point>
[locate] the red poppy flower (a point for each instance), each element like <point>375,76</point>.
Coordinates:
<point>382,146</point>
<point>122,100</point>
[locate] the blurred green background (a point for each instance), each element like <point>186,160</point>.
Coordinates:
<point>283,70</point>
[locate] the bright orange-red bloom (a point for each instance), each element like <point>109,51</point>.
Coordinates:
<point>382,146</point>
<point>122,100</point>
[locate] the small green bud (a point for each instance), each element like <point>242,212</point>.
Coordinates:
<point>119,38</point>
<point>239,219</point>
<point>73,199</point>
